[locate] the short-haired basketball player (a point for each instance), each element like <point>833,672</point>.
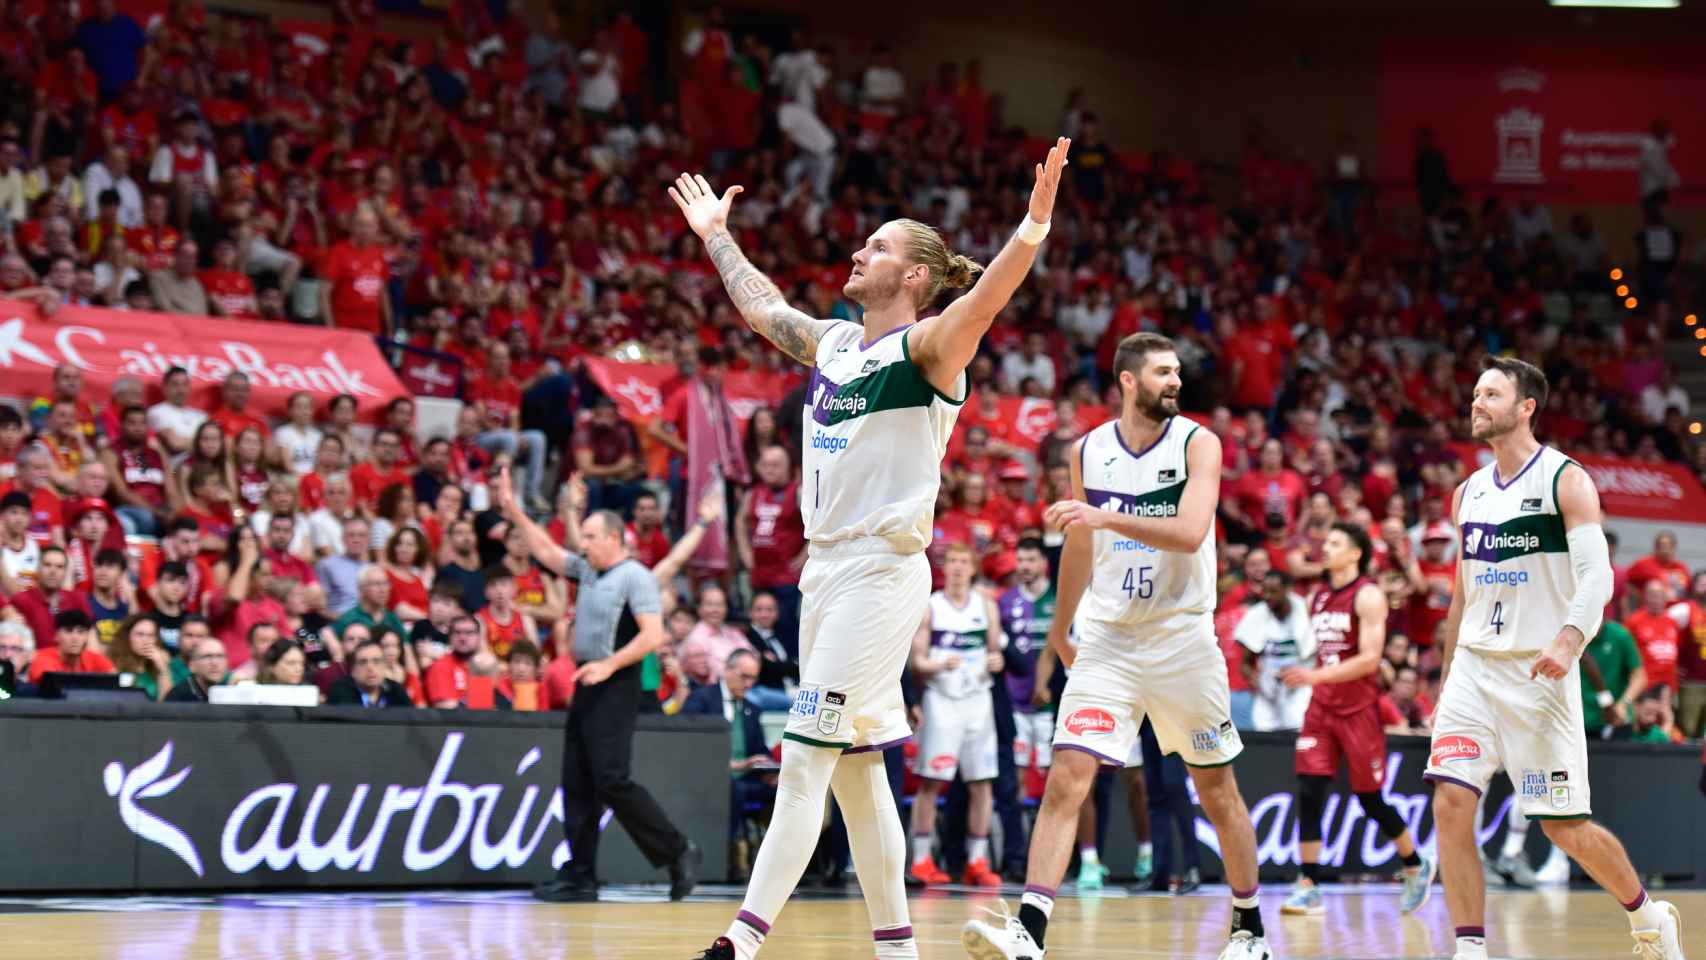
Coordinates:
<point>1140,536</point>
<point>958,646</point>
<point>1348,619</point>
<point>884,398</point>
<point>1532,582</point>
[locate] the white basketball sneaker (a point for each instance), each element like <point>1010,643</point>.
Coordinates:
<point>1665,943</point>
<point>1246,946</point>
<point>1007,939</point>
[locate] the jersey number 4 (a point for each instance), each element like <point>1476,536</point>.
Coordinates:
<point>1137,583</point>
<point>1498,621</point>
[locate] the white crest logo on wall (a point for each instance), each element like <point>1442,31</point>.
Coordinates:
<point>645,397</point>
<point>1521,78</point>
<point>286,842</point>
<point>1518,133</point>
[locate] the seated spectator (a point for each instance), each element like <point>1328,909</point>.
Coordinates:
<point>372,607</point>
<point>47,522</point>
<point>178,288</point>
<point>713,639</point>
<point>72,630</point>
<point>339,573</point>
<point>496,395</point>
<point>1662,565</point>
<point>366,685</point>
<point>305,622</point>
<point>233,416</point>
<point>727,699</point>
<point>109,592</point>
<point>369,477</point>
<point>407,565</point>
<point>1652,719</point>
<point>330,458</point>
<point>395,511</point>
<point>401,665</point>
<point>251,595</point>
<point>230,292</point>
<point>284,664</point>
<point>433,475</point>
<point>337,508</point>
<point>607,457</point>
<point>557,684</point>
<point>461,565</point>
<point>779,666</point>
<point>173,420</point>
<point>207,501</point>
<point>261,637</point>
<point>207,670</point>
<point>522,685</point>
<point>280,534</point>
<point>20,556</point>
<point>41,604</point>
<point>454,680</point>
<point>136,463</point>
<point>297,441</point>
<point>17,646</point>
<point>501,622</point>
<point>1402,709</point>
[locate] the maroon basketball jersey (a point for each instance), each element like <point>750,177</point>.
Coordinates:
<point>1338,636</point>
<point>778,534</point>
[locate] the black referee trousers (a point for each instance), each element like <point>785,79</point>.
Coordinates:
<point>598,744</point>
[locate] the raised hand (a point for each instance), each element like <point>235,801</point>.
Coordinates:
<point>1048,180</point>
<point>504,494</point>
<point>706,213</point>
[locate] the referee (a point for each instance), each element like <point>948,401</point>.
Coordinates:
<point>616,624</point>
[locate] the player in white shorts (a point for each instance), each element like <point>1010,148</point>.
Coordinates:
<point>1532,584</point>
<point>957,647</point>
<point>1140,535</point>
<point>883,399</point>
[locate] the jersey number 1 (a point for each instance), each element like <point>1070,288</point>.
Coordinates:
<point>1137,583</point>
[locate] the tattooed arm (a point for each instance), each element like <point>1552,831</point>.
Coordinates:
<point>754,295</point>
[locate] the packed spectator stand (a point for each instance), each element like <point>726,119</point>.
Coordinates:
<point>494,199</point>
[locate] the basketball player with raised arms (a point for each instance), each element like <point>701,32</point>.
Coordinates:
<point>1347,617</point>
<point>882,403</point>
<point>1533,578</point>
<point>1140,537</point>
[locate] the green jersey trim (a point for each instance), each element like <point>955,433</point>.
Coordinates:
<point>893,386</point>
<point>808,741</point>
<point>906,352</point>
<point>1185,449</point>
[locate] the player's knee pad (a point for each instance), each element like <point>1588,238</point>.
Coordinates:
<point>1381,812</point>
<point>1311,807</point>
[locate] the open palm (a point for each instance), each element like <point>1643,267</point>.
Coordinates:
<point>706,213</point>
<point>1048,180</point>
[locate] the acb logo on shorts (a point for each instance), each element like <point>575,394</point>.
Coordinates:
<point>1089,722</point>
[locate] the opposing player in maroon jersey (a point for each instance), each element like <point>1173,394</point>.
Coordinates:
<point>1348,620</point>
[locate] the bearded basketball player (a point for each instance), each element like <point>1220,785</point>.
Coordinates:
<point>1532,584</point>
<point>883,401</point>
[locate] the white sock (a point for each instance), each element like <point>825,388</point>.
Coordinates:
<point>1647,916</point>
<point>1088,855</point>
<point>795,825</point>
<point>920,847</point>
<point>1034,898</point>
<point>1472,948</point>
<point>977,849</point>
<point>1145,850</point>
<point>878,844</point>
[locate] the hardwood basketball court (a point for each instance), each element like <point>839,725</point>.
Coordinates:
<point>1362,923</point>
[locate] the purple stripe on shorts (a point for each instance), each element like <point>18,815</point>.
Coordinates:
<point>874,747</point>
<point>1040,890</point>
<point>1442,778</point>
<point>892,934</point>
<point>753,922</point>
<point>1106,760</point>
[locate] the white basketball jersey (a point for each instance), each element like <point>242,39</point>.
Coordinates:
<point>875,434</point>
<point>1132,582</point>
<point>1517,576</point>
<point>963,631</point>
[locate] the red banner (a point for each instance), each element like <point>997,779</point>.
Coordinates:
<point>641,389</point>
<point>279,358</point>
<point>1034,419</point>
<point>1566,121</point>
<point>1647,491</point>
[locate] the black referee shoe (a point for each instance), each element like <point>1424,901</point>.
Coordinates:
<point>559,890</point>
<point>684,874</point>
<point>721,950</point>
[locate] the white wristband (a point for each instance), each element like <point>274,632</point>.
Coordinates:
<point>1605,699</point>
<point>1032,232</point>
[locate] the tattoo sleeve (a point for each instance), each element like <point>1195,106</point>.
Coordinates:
<point>760,302</point>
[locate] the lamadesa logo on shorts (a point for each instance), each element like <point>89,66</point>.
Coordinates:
<point>1501,578</point>
<point>827,443</point>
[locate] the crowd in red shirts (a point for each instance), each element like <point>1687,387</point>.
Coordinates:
<point>496,196</point>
